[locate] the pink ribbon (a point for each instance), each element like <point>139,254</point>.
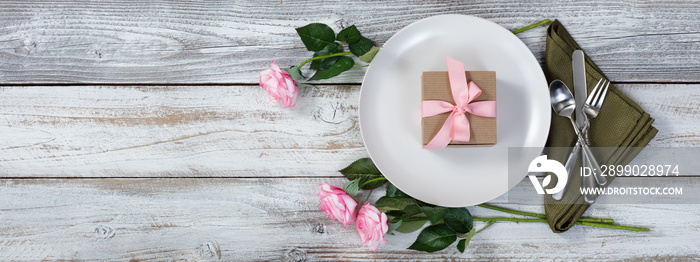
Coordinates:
<point>456,127</point>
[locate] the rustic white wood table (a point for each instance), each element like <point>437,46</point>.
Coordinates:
<point>135,130</point>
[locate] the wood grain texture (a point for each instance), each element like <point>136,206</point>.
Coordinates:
<point>279,219</point>
<point>176,132</point>
<point>231,41</point>
<point>223,131</point>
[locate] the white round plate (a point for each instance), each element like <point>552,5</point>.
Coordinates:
<point>390,110</point>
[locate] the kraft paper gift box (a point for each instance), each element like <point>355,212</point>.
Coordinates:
<point>436,86</point>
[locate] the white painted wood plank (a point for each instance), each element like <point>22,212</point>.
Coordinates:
<point>279,219</point>
<point>176,131</point>
<point>222,131</point>
<point>675,109</point>
<point>231,41</point>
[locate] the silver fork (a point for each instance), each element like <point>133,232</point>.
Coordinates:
<point>595,102</point>
<point>591,109</point>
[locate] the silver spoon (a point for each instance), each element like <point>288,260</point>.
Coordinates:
<point>564,104</point>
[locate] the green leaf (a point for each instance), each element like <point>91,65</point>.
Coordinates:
<point>363,169</point>
<point>422,204</point>
<point>393,226</point>
<point>367,57</point>
<point>349,35</point>
<point>361,47</point>
<point>466,240</point>
<point>395,215</point>
<point>315,36</point>
<point>434,238</point>
<point>324,63</point>
<point>394,203</point>
<point>412,210</point>
<point>461,245</point>
<point>352,187</point>
<point>294,72</point>
<point>409,206</point>
<point>411,226</point>
<point>306,85</point>
<point>343,64</point>
<point>434,213</point>
<point>459,220</point>
<point>392,191</point>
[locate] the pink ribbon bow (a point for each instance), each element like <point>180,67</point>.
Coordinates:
<point>456,127</point>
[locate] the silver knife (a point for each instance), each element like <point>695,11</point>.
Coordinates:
<point>580,87</point>
<point>589,182</point>
<point>580,93</point>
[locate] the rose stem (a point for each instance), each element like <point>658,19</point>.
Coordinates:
<point>529,214</point>
<point>541,220</point>
<point>485,227</point>
<point>370,193</point>
<point>516,31</point>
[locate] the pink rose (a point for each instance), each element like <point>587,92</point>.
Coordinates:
<point>279,85</point>
<point>371,226</point>
<point>337,204</point>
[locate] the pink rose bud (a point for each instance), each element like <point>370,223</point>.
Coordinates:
<point>337,204</point>
<point>371,226</point>
<point>279,85</point>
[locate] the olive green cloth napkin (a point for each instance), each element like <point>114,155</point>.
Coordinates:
<point>621,123</point>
